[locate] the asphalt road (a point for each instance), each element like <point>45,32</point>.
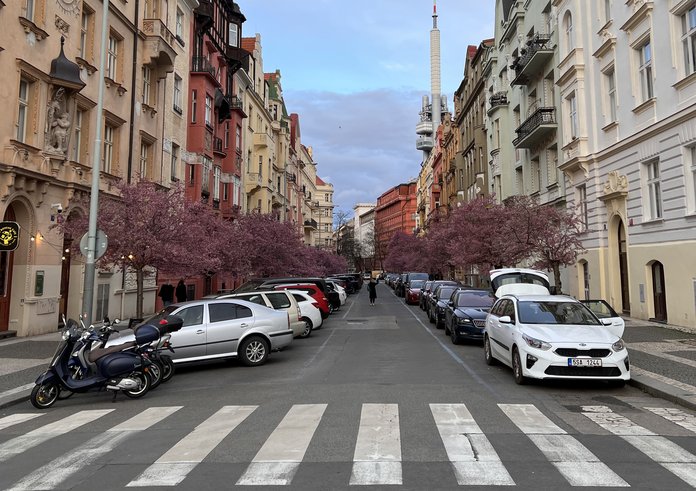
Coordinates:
<point>378,397</point>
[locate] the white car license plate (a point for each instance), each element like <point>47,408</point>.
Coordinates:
<point>584,362</point>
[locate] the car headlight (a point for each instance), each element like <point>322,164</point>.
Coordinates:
<point>619,345</point>
<point>464,320</point>
<point>536,343</point>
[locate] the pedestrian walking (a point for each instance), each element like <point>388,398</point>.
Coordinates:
<point>166,293</point>
<point>181,291</point>
<point>372,290</point>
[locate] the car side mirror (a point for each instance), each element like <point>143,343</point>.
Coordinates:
<point>506,319</point>
<point>450,303</point>
<point>606,322</point>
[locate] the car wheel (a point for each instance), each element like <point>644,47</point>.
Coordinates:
<point>520,379</point>
<point>453,335</point>
<point>487,351</point>
<point>253,351</point>
<point>307,329</point>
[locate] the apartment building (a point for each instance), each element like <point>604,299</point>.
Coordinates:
<point>280,125</point>
<point>52,81</point>
<point>324,214</point>
<point>395,211</point>
<point>629,151</point>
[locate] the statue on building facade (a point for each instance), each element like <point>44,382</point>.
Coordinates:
<point>57,124</point>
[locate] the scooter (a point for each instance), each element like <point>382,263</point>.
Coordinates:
<point>115,370</point>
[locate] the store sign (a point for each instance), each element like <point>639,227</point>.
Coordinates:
<point>9,236</point>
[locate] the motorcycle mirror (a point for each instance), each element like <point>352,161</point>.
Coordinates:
<point>106,319</point>
<point>117,321</point>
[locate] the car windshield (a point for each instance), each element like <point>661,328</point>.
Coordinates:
<point>417,284</point>
<point>476,299</point>
<point>561,313</point>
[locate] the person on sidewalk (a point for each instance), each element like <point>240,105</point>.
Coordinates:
<point>181,291</point>
<point>166,293</point>
<point>372,290</point>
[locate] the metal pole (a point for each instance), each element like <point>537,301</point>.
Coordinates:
<point>90,269</point>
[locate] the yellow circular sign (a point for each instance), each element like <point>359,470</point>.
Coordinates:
<point>9,236</point>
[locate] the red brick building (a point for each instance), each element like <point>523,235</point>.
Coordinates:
<point>395,210</point>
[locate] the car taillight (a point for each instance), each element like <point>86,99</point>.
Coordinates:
<point>325,299</point>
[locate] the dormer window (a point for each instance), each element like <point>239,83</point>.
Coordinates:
<point>233,35</point>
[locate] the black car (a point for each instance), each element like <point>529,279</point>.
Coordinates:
<point>438,304</point>
<point>465,316</point>
<point>429,293</point>
<point>422,298</point>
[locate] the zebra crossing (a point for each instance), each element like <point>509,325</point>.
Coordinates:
<point>377,447</point>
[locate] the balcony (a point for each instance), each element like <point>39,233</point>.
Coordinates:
<point>535,128</point>
<point>237,58</point>
<point>204,15</point>
<point>159,44</point>
<point>254,180</point>
<point>497,100</point>
<point>534,57</point>
<point>310,224</point>
<point>237,106</point>
<point>262,139</point>
<point>201,64</point>
<point>424,143</point>
<point>218,147</point>
<point>424,128</point>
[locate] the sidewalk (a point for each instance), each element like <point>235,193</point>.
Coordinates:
<point>663,362</point>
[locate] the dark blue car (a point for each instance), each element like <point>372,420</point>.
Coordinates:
<point>465,316</point>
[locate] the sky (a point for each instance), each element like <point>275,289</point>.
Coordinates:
<point>355,72</point>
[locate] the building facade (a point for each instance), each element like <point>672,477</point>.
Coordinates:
<point>324,214</point>
<point>395,211</point>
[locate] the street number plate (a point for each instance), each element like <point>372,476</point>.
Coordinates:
<point>584,362</point>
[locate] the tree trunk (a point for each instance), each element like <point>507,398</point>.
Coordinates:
<point>139,294</point>
<point>557,278</point>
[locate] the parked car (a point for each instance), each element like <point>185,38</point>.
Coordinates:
<point>309,309</point>
<point>465,316</point>
<point>267,283</point>
<point>313,291</point>
<point>342,295</point>
<point>222,328</point>
<point>521,281</point>
<point>554,336</point>
<point>352,283</point>
<point>278,301</point>
<point>411,277</point>
<point>421,298</point>
<point>399,285</point>
<point>429,294</point>
<point>413,290</point>
<point>603,310</point>
<point>438,304</point>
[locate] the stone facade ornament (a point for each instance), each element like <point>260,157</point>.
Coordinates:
<point>62,26</point>
<point>616,183</point>
<point>70,6</point>
<point>58,124</point>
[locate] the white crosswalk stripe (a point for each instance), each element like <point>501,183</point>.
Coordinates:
<point>377,455</point>
<point>15,419</point>
<point>282,454</point>
<point>182,458</point>
<point>473,458</point>
<point>30,440</point>
<point>574,461</point>
<point>377,458</point>
<point>663,451</point>
<point>52,474</point>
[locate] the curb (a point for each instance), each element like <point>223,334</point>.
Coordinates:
<point>15,396</point>
<point>663,391</point>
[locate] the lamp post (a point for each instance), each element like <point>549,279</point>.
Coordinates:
<point>90,264</point>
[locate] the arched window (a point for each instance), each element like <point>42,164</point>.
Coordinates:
<point>568,28</point>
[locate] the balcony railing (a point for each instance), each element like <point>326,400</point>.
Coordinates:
<point>533,56</point>
<point>237,105</point>
<point>218,147</point>
<point>498,99</point>
<point>539,124</point>
<point>201,64</point>
<point>311,223</point>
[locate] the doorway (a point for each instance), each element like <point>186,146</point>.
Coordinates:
<point>586,279</point>
<point>623,270</point>
<point>6,266</point>
<point>64,278</point>
<point>659,297</point>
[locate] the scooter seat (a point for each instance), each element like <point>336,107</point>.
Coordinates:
<point>97,353</point>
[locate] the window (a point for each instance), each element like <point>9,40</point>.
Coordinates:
<point>690,173</point>
<point>194,105</point>
<point>233,35</point>
<point>572,116</point>
<point>326,197</point>
<point>145,160</point>
<point>688,22</point>
<point>238,138</point>
<point>569,37</point>
<point>208,110</point>
<point>29,10</point>
<point>191,174</point>
<point>85,31</point>
<point>582,205</point>
<point>607,11</point>
<point>112,57</point>
<point>177,94</point>
<point>102,300</point>
<point>279,300</point>
<point>23,110</point>
<point>610,79</point>
<point>227,135</point>
<point>237,185</point>
<point>654,196</point>
<point>219,312</point>
<point>109,132</point>
<point>147,74</point>
<point>179,24</point>
<point>207,168</point>
<point>225,191</point>
<point>645,71</point>
<point>535,171</point>
<point>216,183</point>
<point>174,162</point>
<point>77,135</point>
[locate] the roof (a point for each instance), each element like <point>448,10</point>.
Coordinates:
<point>249,44</point>
<point>320,182</point>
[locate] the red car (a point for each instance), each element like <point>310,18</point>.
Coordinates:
<point>313,290</point>
<point>412,295</point>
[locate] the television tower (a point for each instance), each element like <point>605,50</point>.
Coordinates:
<point>431,110</point>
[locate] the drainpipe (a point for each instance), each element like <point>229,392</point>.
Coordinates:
<point>131,130</point>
